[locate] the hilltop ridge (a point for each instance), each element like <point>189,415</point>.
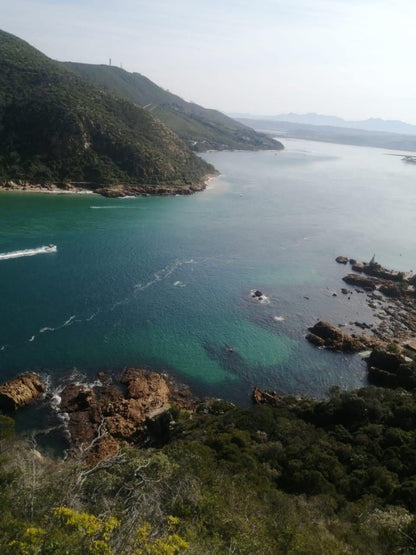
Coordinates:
<point>201,128</point>
<point>57,128</point>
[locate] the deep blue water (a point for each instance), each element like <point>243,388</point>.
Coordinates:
<point>165,282</point>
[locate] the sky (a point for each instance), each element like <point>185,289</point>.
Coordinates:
<point>349,58</point>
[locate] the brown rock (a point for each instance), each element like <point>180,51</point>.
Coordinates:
<point>341,259</point>
<point>102,418</point>
<point>75,398</point>
<point>266,397</point>
<point>315,340</point>
<point>333,338</point>
<point>151,388</point>
<point>360,281</point>
<point>20,392</point>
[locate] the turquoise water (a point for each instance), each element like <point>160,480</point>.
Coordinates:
<point>165,283</point>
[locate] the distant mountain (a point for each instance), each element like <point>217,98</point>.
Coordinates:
<point>333,134</point>
<point>57,127</point>
<point>200,128</point>
<point>372,124</point>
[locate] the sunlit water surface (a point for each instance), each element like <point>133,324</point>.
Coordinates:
<point>165,283</point>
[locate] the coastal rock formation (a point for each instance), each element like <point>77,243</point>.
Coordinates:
<point>341,259</point>
<point>360,281</point>
<point>20,392</point>
<point>323,334</point>
<point>391,370</point>
<point>266,397</point>
<point>101,418</point>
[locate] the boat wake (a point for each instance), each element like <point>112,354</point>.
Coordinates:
<point>157,277</point>
<point>163,274</point>
<point>28,252</point>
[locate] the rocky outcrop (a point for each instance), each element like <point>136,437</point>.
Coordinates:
<point>20,392</point>
<point>266,397</point>
<point>341,259</point>
<point>393,290</point>
<point>388,369</point>
<point>385,360</point>
<point>323,334</point>
<point>102,418</point>
<point>360,281</point>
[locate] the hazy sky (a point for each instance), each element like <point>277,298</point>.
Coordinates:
<point>351,58</point>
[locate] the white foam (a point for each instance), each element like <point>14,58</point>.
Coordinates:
<point>263,299</point>
<point>110,207</point>
<point>32,338</point>
<point>28,252</point>
<point>69,321</point>
<point>179,284</point>
<point>42,330</point>
<point>162,274</point>
<point>3,348</point>
<point>278,318</point>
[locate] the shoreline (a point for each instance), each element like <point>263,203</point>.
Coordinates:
<point>115,191</point>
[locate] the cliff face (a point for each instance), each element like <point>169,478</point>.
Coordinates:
<point>56,127</point>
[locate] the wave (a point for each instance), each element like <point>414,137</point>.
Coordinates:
<point>163,274</point>
<point>111,207</point>
<point>47,249</point>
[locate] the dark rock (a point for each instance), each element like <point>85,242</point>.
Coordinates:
<point>20,392</point>
<point>315,340</point>
<point>341,259</point>
<point>258,293</point>
<point>385,361</point>
<point>357,267</point>
<point>75,398</point>
<point>353,261</point>
<point>344,291</point>
<point>333,338</point>
<point>362,325</point>
<point>360,281</point>
<point>392,290</point>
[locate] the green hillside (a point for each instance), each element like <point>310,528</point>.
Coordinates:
<point>56,128</point>
<point>200,128</point>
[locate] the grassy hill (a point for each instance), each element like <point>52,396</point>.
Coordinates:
<point>56,127</point>
<point>200,128</point>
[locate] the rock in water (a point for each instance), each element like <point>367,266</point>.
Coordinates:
<point>20,392</point>
<point>341,259</point>
<point>325,334</point>
<point>365,283</point>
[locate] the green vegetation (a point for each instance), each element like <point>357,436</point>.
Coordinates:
<point>200,128</point>
<point>56,127</point>
<point>335,476</point>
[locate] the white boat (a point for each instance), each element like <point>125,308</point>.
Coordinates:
<point>28,252</point>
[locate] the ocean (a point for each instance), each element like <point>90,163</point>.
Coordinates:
<point>165,283</point>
